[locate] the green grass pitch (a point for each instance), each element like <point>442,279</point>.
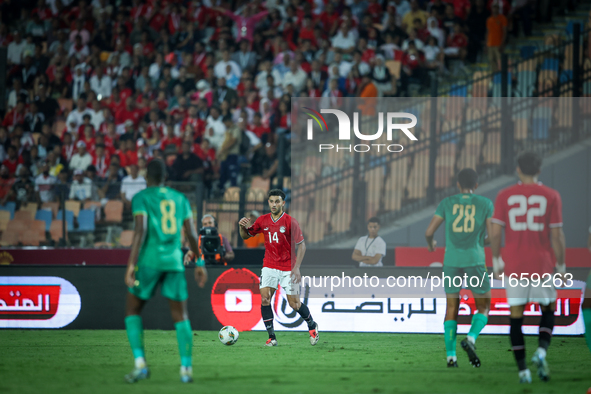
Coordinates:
<point>91,361</point>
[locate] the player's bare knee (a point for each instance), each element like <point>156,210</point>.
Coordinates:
<point>548,308</point>
<point>265,301</point>
<point>295,305</point>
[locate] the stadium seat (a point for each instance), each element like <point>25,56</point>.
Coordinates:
<point>492,148</point>
<point>31,207</point>
<point>18,227</point>
<point>33,235</point>
<point>86,220</point>
<point>527,51</point>
<point>232,194</point>
<point>56,231</point>
<point>126,238</point>
<point>4,219</point>
<point>23,215</point>
<point>74,206</point>
<point>52,206</point>
<point>260,183</point>
<point>10,206</point>
<point>46,216</point>
<point>551,64</point>
<point>9,238</point>
<point>114,211</point>
<point>69,218</point>
<point>89,204</point>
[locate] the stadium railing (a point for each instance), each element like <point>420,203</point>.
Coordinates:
<point>483,124</point>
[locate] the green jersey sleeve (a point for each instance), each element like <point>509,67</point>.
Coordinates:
<point>440,211</point>
<point>138,205</point>
<point>491,209</point>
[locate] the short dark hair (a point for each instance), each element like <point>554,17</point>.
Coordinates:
<point>529,163</point>
<point>156,171</point>
<point>374,219</point>
<point>276,192</point>
<point>467,178</point>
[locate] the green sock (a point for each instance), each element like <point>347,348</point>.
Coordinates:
<point>451,328</point>
<point>135,334</point>
<point>587,320</point>
<point>478,322</point>
<point>184,336</point>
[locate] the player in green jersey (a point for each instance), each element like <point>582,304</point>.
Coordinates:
<point>467,218</point>
<point>156,259</point>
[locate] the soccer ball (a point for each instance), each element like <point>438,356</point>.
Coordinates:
<point>228,335</point>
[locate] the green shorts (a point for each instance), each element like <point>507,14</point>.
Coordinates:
<point>174,284</point>
<point>480,286</point>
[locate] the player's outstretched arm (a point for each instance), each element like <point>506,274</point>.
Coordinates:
<point>430,232</point>
<point>244,224</point>
<point>136,243</point>
<point>191,234</point>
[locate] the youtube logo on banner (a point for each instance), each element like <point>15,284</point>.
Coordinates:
<point>238,300</point>
<point>232,298</point>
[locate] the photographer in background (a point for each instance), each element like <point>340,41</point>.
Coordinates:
<point>208,222</point>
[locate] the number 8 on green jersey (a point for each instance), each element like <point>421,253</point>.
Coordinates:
<point>160,258</point>
<point>465,218</point>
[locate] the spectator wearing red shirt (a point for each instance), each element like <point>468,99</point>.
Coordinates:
<point>457,43</point>
<point>16,116</point>
<point>13,160</point>
<point>375,10</point>
<point>88,138</point>
<point>131,153</point>
<point>171,139</point>
<point>245,24</point>
<point>86,121</point>
<point>257,126</point>
<point>158,19</point>
<point>129,112</point>
<point>101,161</point>
<point>329,19</point>
<point>68,148</point>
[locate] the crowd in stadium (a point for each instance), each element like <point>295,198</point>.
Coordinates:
<point>96,90</point>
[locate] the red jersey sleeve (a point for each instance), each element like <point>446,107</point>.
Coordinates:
<point>255,228</point>
<point>556,212</point>
<point>500,212</point>
<point>296,232</point>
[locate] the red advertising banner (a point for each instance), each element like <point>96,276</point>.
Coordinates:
<point>37,302</point>
<point>421,257</point>
<point>64,256</point>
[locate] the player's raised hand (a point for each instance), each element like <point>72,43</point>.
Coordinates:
<point>130,276</point>
<point>189,257</point>
<point>200,276</point>
<point>432,246</point>
<point>244,222</point>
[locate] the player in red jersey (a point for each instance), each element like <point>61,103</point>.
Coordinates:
<point>280,267</point>
<point>531,215</point>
